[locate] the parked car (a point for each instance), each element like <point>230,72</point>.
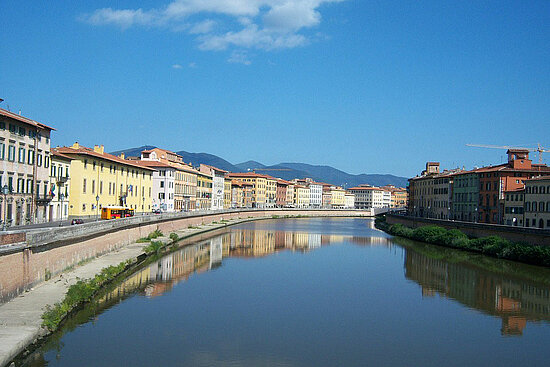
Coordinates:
<point>156,211</point>
<point>77,221</point>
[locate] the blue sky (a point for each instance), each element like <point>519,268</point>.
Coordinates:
<point>364,86</point>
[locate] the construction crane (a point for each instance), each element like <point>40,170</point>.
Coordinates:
<point>539,149</point>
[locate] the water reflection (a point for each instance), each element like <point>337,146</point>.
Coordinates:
<point>368,284</point>
<point>514,300</point>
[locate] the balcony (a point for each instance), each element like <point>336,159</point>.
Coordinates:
<point>43,199</point>
<point>62,179</point>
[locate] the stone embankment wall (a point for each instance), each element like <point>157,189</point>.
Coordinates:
<point>39,254</point>
<point>532,236</point>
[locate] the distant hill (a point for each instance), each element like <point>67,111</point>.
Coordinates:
<point>210,159</point>
<point>133,152</point>
<point>289,170</point>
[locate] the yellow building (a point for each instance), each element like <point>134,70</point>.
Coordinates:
<point>204,191</point>
<point>100,179</point>
<point>301,196</point>
<point>259,186</point>
<point>227,193</point>
<point>270,191</point>
<point>337,198</point>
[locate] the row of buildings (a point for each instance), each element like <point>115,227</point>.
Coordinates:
<point>40,183</point>
<point>514,193</point>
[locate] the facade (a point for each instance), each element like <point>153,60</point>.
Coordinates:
<point>227,193</point>
<point>327,197</point>
<point>349,200</point>
<point>259,186</point>
<point>204,191</point>
<point>465,196</point>
<point>241,194</point>
<point>537,203</point>
<point>301,196</point>
<point>163,186</point>
<point>399,196</point>
<point>270,192</point>
<point>494,181</point>
<point>218,185</point>
<point>337,197</point>
<point>102,179</point>
<point>24,168</point>
<point>514,202</point>
<point>315,195</point>
<point>60,183</point>
<point>280,197</point>
<point>290,195</point>
<point>430,194</point>
<point>185,181</point>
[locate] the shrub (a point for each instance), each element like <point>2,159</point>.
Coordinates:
<point>155,246</point>
<point>174,236</point>
<point>155,234</point>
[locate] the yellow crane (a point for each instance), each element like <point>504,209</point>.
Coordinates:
<point>539,149</point>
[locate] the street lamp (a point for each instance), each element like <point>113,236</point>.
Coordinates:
<point>5,191</point>
<point>97,207</point>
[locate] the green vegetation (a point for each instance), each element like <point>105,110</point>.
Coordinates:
<point>78,293</point>
<point>143,240</point>
<point>157,233</point>
<point>174,237</point>
<point>154,247</point>
<point>224,221</point>
<point>192,227</point>
<point>491,246</point>
<point>275,216</point>
<point>214,222</point>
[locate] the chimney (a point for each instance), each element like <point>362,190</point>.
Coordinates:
<point>75,145</point>
<point>98,149</point>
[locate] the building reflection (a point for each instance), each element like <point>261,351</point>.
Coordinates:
<point>515,301</point>
<point>161,275</point>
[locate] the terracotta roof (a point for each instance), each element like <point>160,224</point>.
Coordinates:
<point>215,168</point>
<point>540,178</point>
<point>81,150</point>
<point>25,120</point>
<point>521,188</point>
<point>54,152</point>
<point>164,150</point>
<point>371,188</point>
<point>154,164</point>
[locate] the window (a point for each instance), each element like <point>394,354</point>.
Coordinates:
<point>93,186</point>
<point>2,150</point>
<point>22,155</point>
<point>22,131</point>
<point>29,186</point>
<point>30,157</point>
<point>85,163</point>
<point>101,187</point>
<point>12,128</point>
<point>83,207</point>
<point>46,161</point>
<point>39,160</point>
<point>84,185</point>
<point>161,184</point>
<point>10,183</point>
<point>11,153</point>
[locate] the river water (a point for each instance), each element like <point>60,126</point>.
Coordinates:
<point>312,292</point>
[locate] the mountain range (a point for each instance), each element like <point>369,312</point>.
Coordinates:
<point>287,171</point>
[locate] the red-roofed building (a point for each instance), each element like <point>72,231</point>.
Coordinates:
<point>25,169</point>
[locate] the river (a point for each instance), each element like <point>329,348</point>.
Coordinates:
<point>312,292</point>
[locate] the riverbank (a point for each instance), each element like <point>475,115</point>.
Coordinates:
<point>493,246</point>
<point>21,322</point>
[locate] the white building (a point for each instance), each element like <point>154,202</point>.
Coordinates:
<point>24,169</point>
<point>367,197</point>
<point>386,199</point>
<point>349,200</point>
<point>315,195</point>
<point>218,179</point>
<point>163,185</point>
<point>60,186</point>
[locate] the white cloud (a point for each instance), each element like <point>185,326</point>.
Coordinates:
<point>206,26</point>
<point>177,66</point>
<point>192,65</point>
<point>239,57</point>
<point>225,24</point>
